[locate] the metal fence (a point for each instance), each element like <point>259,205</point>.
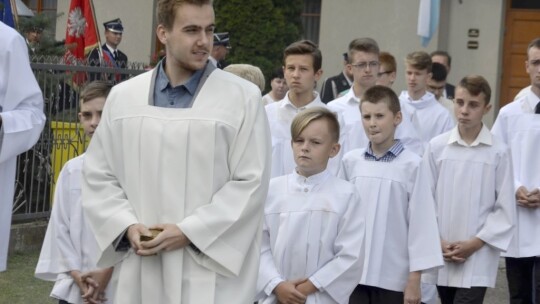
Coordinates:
<point>61,139</point>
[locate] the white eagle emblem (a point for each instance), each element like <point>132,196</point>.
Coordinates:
<point>76,23</point>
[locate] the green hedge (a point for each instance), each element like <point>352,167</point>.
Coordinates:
<point>259,30</point>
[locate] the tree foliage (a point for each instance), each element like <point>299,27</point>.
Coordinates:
<point>259,30</point>
<point>48,46</point>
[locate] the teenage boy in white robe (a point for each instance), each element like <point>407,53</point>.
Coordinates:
<point>313,233</point>
<point>302,61</point>
<point>472,182</point>
<point>21,121</point>
<point>364,64</point>
<point>518,124</point>
<point>432,118</point>
<point>70,249</point>
<point>402,238</point>
<point>184,148</point>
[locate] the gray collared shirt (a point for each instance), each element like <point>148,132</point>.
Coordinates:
<point>180,96</point>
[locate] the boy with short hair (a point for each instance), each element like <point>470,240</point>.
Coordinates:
<point>302,61</point>
<point>402,238</point>
<point>313,231</point>
<point>278,85</point>
<point>387,69</point>
<point>69,252</point>
<point>433,119</point>
<point>363,59</point>
<point>471,179</point>
<point>436,85</point>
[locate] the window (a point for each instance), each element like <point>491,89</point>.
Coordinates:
<point>47,7</point>
<point>525,4</point>
<point>311,19</point>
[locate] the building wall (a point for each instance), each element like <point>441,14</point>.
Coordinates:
<point>393,24</point>
<point>137,18</point>
<point>488,17</point>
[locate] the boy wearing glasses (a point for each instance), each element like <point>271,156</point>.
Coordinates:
<point>432,118</point>
<point>387,69</point>
<point>364,65</point>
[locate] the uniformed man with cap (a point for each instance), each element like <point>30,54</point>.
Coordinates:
<point>112,56</point>
<point>220,49</point>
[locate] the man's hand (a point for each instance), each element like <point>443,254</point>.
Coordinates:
<point>412,294</point>
<point>528,199</point>
<point>97,281</point>
<point>171,238</point>
<point>287,293</point>
<point>134,233</point>
<point>462,250</point>
<point>448,252</point>
<point>76,275</point>
<point>534,196</point>
<point>306,288</point>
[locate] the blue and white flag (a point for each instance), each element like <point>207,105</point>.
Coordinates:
<point>428,19</point>
<point>6,13</point>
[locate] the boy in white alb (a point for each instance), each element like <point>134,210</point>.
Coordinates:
<point>313,232</point>
<point>471,178</point>
<point>518,124</point>
<point>70,251</point>
<point>302,62</point>
<point>432,117</point>
<point>402,238</point>
<point>364,63</point>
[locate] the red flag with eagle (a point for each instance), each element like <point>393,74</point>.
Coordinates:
<point>81,34</point>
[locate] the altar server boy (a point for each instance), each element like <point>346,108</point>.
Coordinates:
<point>69,252</point>
<point>313,232</point>
<point>431,118</point>
<point>472,180</point>
<point>402,238</point>
<point>302,62</point>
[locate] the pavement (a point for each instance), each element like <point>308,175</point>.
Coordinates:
<point>499,294</point>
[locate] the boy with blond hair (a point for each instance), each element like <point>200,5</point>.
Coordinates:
<point>471,179</point>
<point>313,231</point>
<point>402,238</point>
<point>432,118</point>
<point>69,252</point>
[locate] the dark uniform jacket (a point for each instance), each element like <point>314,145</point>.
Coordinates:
<point>108,61</point>
<point>332,86</point>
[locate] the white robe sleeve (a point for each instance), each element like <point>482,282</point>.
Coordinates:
<point>339,277</point>
<point>424,239</point>
<point>499,129</point>
<point>238,205</point>
<point>21,101</point>
<point>58,254</point>
<point>497,230</point>
<point>269,276</point>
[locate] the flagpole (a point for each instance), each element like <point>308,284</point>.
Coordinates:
<point>100,51</point>
<point>15,13</point>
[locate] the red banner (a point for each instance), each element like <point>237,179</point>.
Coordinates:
<point>81,34</point>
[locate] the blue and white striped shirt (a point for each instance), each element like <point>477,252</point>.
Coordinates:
<point>389,156</point>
